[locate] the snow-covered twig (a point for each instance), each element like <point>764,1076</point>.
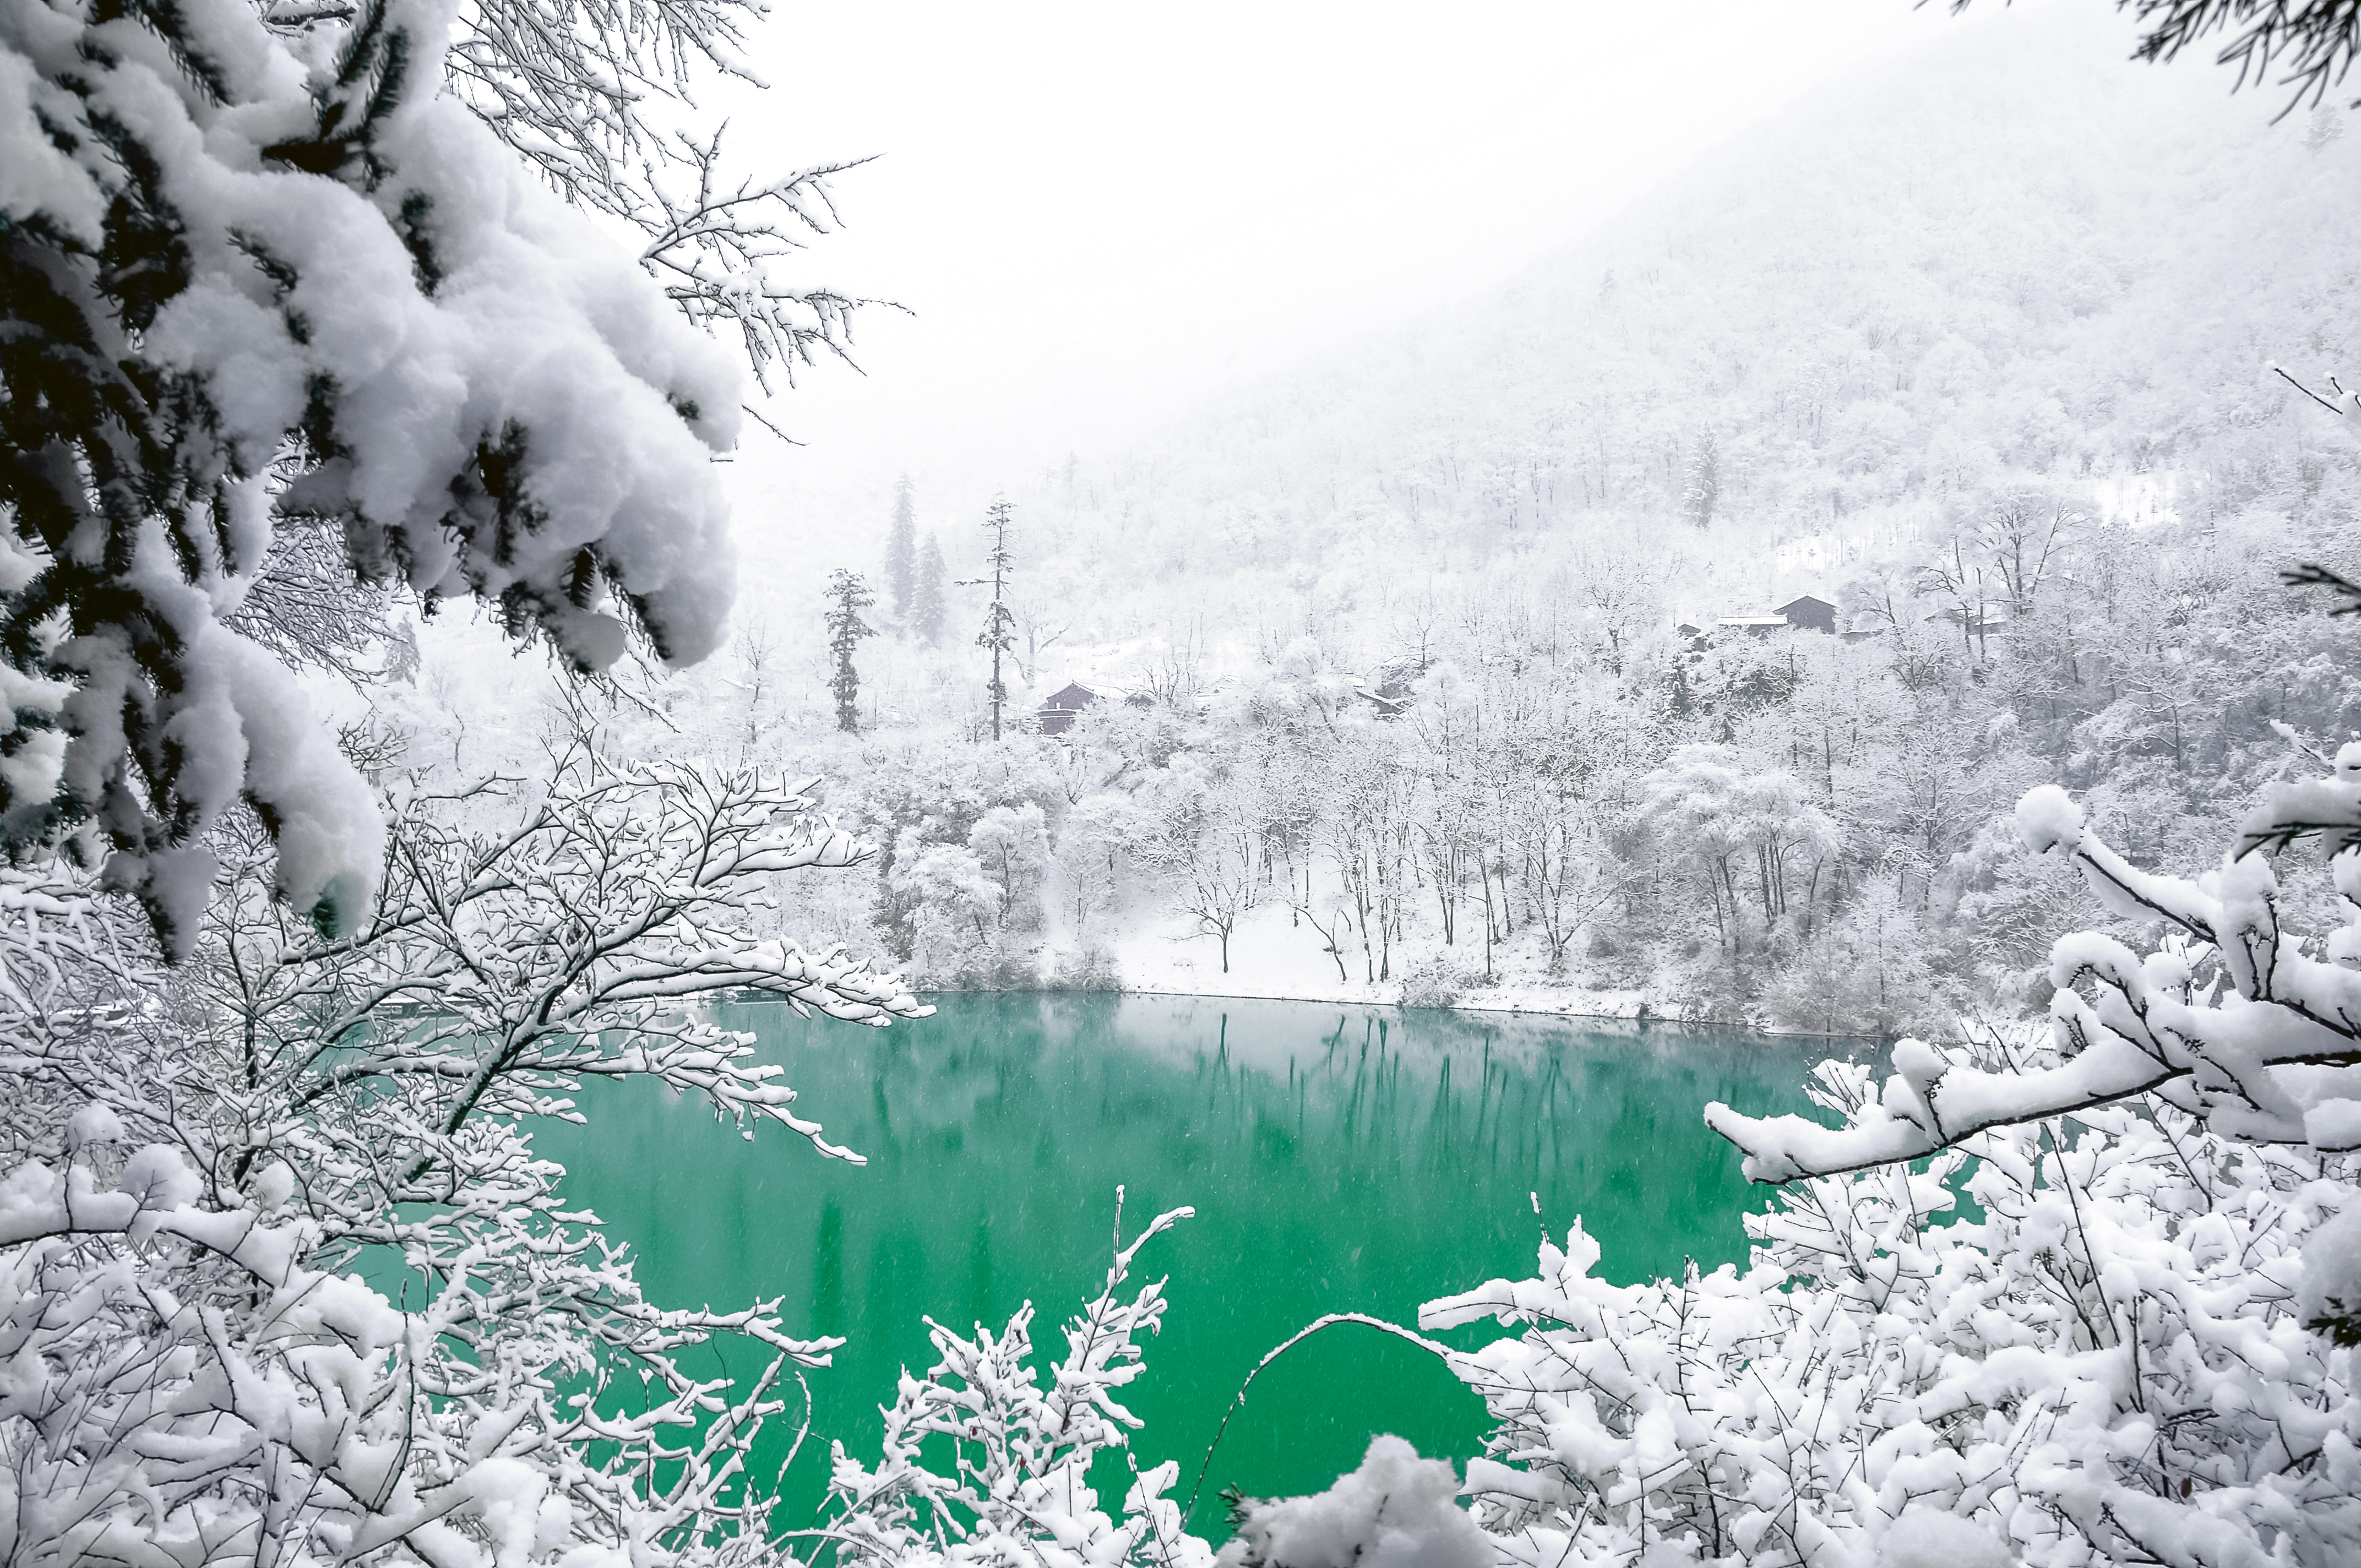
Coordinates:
<point>1017,1487</point>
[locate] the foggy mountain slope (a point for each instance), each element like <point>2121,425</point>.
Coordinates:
<point>2022,262</point>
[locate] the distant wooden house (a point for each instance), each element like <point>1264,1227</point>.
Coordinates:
<point>1057,716</point>
<point>1809,614</point>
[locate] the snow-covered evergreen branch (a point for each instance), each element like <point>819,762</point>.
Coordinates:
<point>215,236</point>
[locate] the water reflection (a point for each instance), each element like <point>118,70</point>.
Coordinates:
<point>1337,1158</point>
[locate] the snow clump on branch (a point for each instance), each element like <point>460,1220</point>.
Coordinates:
<point>1395,1511</point>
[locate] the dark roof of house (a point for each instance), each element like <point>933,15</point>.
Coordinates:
<point>1806,600</point>
<point>1075,696</point>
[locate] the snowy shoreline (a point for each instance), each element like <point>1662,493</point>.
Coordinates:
<point>1523,1004</point>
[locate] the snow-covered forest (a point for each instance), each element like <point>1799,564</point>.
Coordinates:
<point>1894,581</point>
<point>1412,680</point>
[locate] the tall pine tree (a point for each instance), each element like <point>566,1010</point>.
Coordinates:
<point>999,632</point>
<point>926,606</point>
<point>901,552</point>
<point>848,594</point>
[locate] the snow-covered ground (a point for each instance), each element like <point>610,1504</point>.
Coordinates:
<point>1275,956</point>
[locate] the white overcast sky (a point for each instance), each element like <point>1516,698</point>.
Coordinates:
<point>1100,212</point>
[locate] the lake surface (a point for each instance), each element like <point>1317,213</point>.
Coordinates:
<point>1338,1158</point>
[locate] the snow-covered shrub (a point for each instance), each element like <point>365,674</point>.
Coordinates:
<point>2107,1367</point>
<point>983,1464</point>
<point>2232,1020</point>
<point>1396,1511</point>
<point>1093,968</point>
<point>1433,982</point>
<point>196,1168</point>
<point>1864,971</point>
<point>2140,1350</point>
<point>252,277</point>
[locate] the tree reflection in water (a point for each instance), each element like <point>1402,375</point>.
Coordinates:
<point>1338,1158</point>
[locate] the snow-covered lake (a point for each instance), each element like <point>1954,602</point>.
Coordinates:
<point>1338,1158</point>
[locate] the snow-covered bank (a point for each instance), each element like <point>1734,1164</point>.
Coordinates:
<point>1626,1006</point>
<point>1525,1002</point>
<point>1272,959</point>
<point>1275,958</point>
<point>1278,955</point>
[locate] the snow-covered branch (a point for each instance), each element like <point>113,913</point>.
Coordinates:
<point>2109,1364</point>
<point>717,244</point>
<point>522,959</point>
<point>198,1163</point>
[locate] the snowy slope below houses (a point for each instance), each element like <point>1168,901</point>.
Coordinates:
<point>1271,955</point>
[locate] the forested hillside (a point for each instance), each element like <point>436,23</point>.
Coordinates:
<point>2013,265</point>
<point>1979,355</point>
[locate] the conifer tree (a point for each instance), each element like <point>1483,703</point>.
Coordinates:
<point>999,632</point>
<point>926,607</point>
<point>902,551</point>
<point>848,594</point>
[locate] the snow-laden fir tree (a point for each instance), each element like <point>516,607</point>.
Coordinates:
<point>928,610</point>
<point>848,595</point>
<point>902,551</point>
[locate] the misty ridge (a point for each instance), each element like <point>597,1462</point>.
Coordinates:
<point>1450,669</point>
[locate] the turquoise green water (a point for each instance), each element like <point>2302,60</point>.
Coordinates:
<point>1338,1158</point>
